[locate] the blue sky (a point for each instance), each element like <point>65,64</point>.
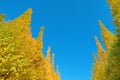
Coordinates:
<point>70,27</point>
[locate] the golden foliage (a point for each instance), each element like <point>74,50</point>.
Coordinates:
<point>101,52</point>
<point>107,36</point>
<point>110,68</point>
<point>21,56</point>
<point>99,63</point>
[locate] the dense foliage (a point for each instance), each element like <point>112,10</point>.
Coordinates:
<point>110,69</point>
<point>21,56</point>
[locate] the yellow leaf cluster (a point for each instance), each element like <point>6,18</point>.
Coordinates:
<point>21,56</point>
<point>100,63</point>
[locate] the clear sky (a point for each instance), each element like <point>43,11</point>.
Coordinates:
<point>70,27</point>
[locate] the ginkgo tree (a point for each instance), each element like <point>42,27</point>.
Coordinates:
<point>111,66</point>
<point>21,56</point>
